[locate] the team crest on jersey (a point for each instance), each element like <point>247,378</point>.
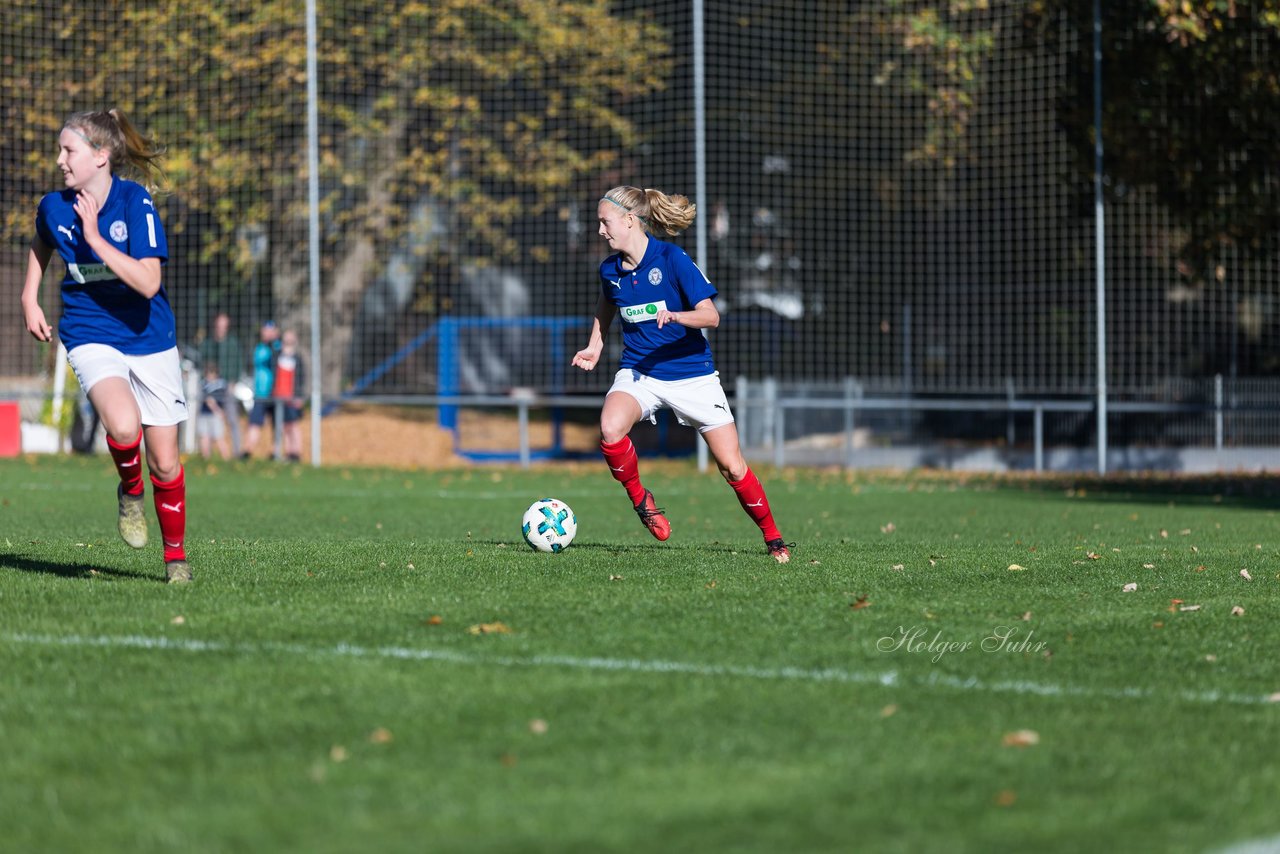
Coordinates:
<point>119,231</point>
<point>655,276</point>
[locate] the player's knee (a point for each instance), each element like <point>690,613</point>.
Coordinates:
<point>123,432</point>
<point>165,470</point>
<point>611,431</point>
<point>734,471</point>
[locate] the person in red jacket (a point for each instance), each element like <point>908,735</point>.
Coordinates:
<point>289,391</point>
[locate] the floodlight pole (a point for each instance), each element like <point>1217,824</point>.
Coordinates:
<point>313,228</point>
<point>1100,274</point>
<point>700,161</point>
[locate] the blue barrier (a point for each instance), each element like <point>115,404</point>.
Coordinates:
<point>446,333</point>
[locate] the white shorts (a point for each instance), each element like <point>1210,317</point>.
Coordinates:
<point>156,379</point>
<point>697,402</point>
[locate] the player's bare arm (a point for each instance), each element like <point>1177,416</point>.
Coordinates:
<point>705,315</point>
<point>32,313</point>
<point>588,357</point>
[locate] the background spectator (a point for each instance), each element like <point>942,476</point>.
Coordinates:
<point>212,420</point>
<point>264,361</point>
<point>223,349</point>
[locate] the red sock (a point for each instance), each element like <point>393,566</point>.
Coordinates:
<point>625,466</point>
<point>128,462</point>
<point>751,497</point>
<point>171,510</point>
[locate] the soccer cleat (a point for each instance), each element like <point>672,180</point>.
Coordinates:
<point>780,550</point>
<point>132,522</point>
<point>178,571</point>
<point>651,514</point>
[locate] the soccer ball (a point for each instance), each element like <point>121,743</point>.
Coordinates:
<point>549,525</point>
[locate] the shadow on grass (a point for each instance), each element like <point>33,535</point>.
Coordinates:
<point>70,570</point>
<point>1253,491</point>
<point>653,549</point>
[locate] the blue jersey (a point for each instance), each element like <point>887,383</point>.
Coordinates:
<point>666,278</point>
<point>98,308</point>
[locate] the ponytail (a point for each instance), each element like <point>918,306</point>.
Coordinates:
<point>655,209</point>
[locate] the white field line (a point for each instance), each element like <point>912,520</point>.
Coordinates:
<point>1270,845</point>
<point>887,678</point>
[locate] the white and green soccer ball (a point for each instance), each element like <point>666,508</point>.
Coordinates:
<point>549,525</point>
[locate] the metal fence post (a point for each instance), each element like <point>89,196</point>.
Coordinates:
<point>1038,428</point>
<point>522,415</point>
<point>1217,416</point>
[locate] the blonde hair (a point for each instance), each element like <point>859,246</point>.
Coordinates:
<point>132,154</point>
<point>654,208</point>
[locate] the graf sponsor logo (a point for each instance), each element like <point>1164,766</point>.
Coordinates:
<point>642,312</point>
<point>82,273</point>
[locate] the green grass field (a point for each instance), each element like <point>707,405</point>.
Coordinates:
<point>948,664</point>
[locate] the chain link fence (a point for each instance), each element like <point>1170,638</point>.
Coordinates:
<point>892,197</point>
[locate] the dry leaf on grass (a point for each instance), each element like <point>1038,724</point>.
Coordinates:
<point>860,603</point>
<point>1013,567</point>
<point>1237,611</point>
<point>1244,573</point>
<point>889,710</point>
<point>489,629</point>
<point>1130,587</point>
<point>1188,607</point>
<point>1093,556</point>
<point>338,753</point>
<point>381,735</point>
<point>1006,798</point>
<point>1021,738</point>
<point>538,726</point>
<point>433,620</point>
<point>888,528</point>
<point>178,620</point>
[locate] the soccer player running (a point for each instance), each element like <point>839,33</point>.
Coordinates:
<point>664,301</point>
<point>116,323</point>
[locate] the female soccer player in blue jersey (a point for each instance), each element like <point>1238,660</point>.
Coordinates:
<point>116,321</point>
<point>664,302</point>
